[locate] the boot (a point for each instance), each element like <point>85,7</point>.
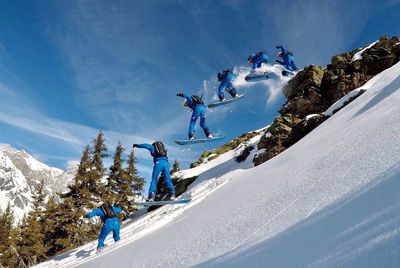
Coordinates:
<point>209,135</point>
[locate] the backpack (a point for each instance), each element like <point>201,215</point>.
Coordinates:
<point>160,149</point>
<point>108,210</point>
<point>197,99</point>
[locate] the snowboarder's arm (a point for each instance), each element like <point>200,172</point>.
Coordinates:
<point>146,146</point>
<point>281,48</point>
<point>280,62</point>
<point>93,213</point>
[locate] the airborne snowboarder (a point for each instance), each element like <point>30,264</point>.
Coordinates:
<point>161,165</point>
<point>257,59</point>
<point>288,59</point>
<point>226,77</point>
<point>196,104</point>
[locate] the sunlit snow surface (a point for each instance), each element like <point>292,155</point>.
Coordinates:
<point>330,200</point>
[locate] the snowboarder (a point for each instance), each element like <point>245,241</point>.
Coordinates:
<point>161,165</point>
<point>257,59</point>
<point>196,104</point>
<point>226,77</point>
<point>108,215</point>
<point>288,59</point>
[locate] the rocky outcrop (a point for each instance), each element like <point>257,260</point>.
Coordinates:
<point>346,73</point>
<point>314,89</point>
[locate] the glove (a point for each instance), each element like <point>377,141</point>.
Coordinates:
<point>135,145</point>
<point>180,94</point>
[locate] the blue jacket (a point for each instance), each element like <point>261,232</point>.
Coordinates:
<point>190,102</point>
<point>99,212</point>
<point>152,151</point>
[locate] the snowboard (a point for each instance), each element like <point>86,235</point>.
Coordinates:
<point>160,203</point>
<point>195,141</point>
<point>219,103</point>
<point>287,73</point>
<point>253,77</point>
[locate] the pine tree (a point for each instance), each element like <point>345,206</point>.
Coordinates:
<point>116,176</point>
<point>70,229</point>
<point>137,183</point>
<point>175,167</point>
<point>98,172</point>
<point>7,238</point>
<point>31,243</point>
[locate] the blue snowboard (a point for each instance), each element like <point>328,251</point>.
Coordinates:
<point>219,103</point>
<point>160,203</point>
<point>257,77</point>
<point>188,142</point>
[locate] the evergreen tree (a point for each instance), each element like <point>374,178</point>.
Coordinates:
<point>98,154</point>
<point>70,228</point>
<point>31,242</point>
<point>7,238</point>
<point>175,167</point>
<point>116,176</point>
<point>137,183</point>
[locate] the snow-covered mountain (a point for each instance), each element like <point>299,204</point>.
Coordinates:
<point>330,200</point>
<point>20,173</point>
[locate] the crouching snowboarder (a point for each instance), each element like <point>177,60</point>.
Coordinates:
<point>226,78</point>
<point>257,59</point>
<point>108,215</point>
<point>161,165</point>
<point>196,104</point>
<point>288,59</point>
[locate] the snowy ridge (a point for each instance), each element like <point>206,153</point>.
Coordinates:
<point>358,55</point>
<point>330,200</point>
<point>20,173</point>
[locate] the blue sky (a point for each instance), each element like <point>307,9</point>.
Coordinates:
<point>70,68</point>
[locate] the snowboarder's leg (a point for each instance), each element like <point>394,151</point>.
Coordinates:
<point>192,126</point>
<point>292,65</point>
<point>167,178</point>
<point>102,236</point>
<point>221,91</point>
<point>203,124</point>
<point>154,178</point>
<point>231,90</point>
<point>115,230</point>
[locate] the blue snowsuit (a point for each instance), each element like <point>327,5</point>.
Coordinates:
<point>258,59</point>
<point>199,110</point>
<point>226,83</point>
<point>109,224</point>
<point>288,59</point>
<point>161,165</point>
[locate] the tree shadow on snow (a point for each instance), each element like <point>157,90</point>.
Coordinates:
<point>361,231</point>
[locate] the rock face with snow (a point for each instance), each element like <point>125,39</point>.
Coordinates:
<point>314,89</point>
<point>346,73</point>
<point>20,173</point>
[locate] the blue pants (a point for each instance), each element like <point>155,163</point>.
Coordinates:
<point>229,87</point>
<point>160,166</point>
<point>288,63</point>
<point>198,111</point>
<point>111,224</point>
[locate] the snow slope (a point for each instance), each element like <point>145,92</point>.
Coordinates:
<point>330,200</point>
